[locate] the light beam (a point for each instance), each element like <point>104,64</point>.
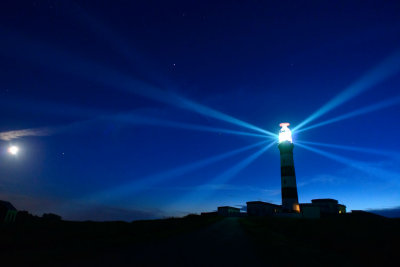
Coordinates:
<point>387,68</point>
<point>221,180</point>
<point>361,166</point>
<point>137,60</point>
<point>204,110</point>
<point>230,173</point>
<point>182,102</point>
<point>147,182</point>
<point>112,78</point>
<point>353,148</point>
<point>131,117</point>
<point>361,111</point>
<point>135,119</point>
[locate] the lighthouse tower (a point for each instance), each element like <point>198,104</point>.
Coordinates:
<point>290,200</point>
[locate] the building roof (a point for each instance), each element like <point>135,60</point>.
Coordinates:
<point>228,207</point>
<point>306,204</point>
<point>324,200</point>
<point>262,203</point>
<point>7,204</point>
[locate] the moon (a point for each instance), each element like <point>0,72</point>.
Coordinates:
<point>13,150</point>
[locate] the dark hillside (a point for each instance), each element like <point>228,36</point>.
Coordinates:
<point>346,240</point>
<point>204,241</point>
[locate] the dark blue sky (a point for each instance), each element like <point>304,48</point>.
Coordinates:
<point>98,89</point>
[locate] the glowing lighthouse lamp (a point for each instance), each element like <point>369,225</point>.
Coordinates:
<point>285,134</point>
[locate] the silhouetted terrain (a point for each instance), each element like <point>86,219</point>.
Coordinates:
<point>198,241</point>
<point>338,241</point>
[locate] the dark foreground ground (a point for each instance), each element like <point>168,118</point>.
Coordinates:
<point>204,241</point>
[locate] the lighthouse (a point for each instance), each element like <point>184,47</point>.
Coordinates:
<point>290,200</point>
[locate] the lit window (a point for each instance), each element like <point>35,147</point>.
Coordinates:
<point>296,207</point>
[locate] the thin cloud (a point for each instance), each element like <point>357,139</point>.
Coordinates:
<point>43,131</point>
<point>10,135</point>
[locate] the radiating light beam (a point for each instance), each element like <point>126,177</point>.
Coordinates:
<point>149,181</point>
<point>361,111</point>
<point>353,148</point>
<point>129,117</point>
<point>112,78</point>
<point>361,166</point>
<point>137,61</point>
<point>224,177</point>
<point>387,68</point>
<point>204,110</point>
<point>181,101</point>
<point>187,126</point>
<point>232,172</point>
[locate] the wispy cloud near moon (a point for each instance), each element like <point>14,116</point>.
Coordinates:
<point>43,131</point>
<point>10,135</point>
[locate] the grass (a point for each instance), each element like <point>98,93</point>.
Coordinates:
<point>336,241</point>
<point>48,242</point>
<point>339,241</point>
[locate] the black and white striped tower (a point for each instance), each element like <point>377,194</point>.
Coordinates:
<point>290,200</point>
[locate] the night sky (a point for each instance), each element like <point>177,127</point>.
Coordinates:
<point>149,109</point>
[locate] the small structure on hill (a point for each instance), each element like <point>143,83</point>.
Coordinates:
<point>228,211</point>
<point>8,212</point>
<point>321,208</point>
<point>260,208</point>
<point>329,206</point>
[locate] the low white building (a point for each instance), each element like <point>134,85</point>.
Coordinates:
<point>260,208</point>
<point>322,207</point>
